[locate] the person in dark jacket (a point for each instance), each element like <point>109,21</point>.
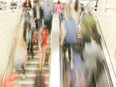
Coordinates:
<point>38,14</point>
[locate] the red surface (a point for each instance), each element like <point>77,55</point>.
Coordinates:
<point>45,37</point>
<point>10,81</point>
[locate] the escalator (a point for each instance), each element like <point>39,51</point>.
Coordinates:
<point>34,76</point>
<point>54,72</point>
<point>100,79</point>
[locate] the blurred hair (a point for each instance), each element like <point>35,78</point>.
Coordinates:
<point>58,2</point>
<point>87,38</point>
<point>76,7</point>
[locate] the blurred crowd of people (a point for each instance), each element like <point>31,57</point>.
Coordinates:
<point>81,45</point>
<point>78,37</point>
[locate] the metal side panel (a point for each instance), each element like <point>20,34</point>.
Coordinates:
<point>54,80</point>
<point>107,76</point>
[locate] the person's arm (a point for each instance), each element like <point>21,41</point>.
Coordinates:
<point>25,47</point>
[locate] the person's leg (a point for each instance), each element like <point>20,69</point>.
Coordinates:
<point>36,23</point>
<point>43,54</point>
<point>23,68</point>
<point>32,50</point>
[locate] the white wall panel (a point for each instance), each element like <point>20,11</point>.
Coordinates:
<point>8,22</point>
<point>107,19</point>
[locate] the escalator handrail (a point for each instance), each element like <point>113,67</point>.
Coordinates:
<point>105,65</point>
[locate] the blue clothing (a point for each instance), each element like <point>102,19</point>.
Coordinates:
<point>71,33</point>
<point>27,18</point>
<point>77,74</point>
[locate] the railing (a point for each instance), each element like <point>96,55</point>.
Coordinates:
<point>54,80</point>
<point>105,65</point>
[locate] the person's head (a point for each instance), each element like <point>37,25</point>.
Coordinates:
<point>58,2</point>
<point>28,1</point>
<point>27,4</point>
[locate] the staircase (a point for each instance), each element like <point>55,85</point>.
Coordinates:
<point>34,76</point>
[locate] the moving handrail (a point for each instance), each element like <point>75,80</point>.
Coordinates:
<point>54,76</point>
<point>105,65</point>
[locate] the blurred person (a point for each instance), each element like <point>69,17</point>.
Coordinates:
<point>45,38</point>
<point>27,19</point>
<point>89,27</point>
<point>27,4</point>
<point>27,27</point>
<point>20,57</point>
<point>48,13</point>
<point>69,40</point>
<point>28,37</point>
<point>92,53</point>
<point>32,20</point>
<point>37,14</point>
<point>31,31</point>
<point>59,9</point>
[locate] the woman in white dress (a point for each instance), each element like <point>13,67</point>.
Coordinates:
<point>20,53</point>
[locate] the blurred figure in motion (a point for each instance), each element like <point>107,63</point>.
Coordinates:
<point>28,36</point>
<point>45,38</point>
<point>37,14</point>
<point>92,53</point>
<point>59,9</point>
<point>20,58</point>
<point>69,26</point>
<point>47,14</point>
<point>89,28</point>
<point>27,28</point>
